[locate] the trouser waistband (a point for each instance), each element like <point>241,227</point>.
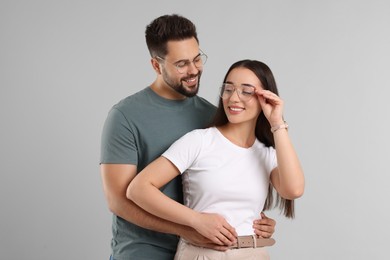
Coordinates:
<point>252,241</point>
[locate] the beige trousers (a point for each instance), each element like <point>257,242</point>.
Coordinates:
<point>186,251</point>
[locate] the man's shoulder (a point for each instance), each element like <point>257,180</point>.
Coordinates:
<point>139,96</point>
<point>131,102</point>
<point>203,101</point>
<point>203,105</point>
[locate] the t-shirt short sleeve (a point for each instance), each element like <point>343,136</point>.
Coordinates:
<point>117,141</point>
<point>271,160</point>
<point>185,150</point>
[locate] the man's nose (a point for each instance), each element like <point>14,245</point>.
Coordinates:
<point>192,69</point>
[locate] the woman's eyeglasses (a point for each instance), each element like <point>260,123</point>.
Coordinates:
<point>245,92</point>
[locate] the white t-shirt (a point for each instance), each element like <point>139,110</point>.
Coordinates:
<point>221,177</point>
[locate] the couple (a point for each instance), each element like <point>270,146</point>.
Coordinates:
<point>227,169</point>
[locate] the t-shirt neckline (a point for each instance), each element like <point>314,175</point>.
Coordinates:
<point>226,140</point>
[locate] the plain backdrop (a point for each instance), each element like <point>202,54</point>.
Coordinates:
<point>63,64</point>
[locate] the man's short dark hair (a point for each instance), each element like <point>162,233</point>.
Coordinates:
<point>168,28</point>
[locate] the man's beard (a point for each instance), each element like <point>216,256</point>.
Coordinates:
<point>179,88</point>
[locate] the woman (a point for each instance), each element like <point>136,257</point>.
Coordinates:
<point>228,169</point>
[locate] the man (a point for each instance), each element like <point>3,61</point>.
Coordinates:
<point>141,127</point>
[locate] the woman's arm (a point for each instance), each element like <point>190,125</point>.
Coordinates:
<point>287,178</point>
<point>144,190</point>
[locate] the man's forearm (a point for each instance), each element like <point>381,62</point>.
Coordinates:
<point>129,211</point>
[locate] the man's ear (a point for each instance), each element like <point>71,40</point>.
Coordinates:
<point>156,65</point>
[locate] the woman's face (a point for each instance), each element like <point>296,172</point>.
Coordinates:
<point>243,105</point>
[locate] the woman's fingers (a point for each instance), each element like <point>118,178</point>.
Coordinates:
<point>216,228</point>
<point>226,237</point>
<point>268,96</point>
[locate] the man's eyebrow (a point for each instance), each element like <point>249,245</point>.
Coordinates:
<point>187,60</point>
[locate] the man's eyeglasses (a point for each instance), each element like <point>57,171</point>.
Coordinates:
<point>183,65</point>
<point>245,92</point>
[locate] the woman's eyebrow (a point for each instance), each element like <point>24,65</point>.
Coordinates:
<point>247,85</point>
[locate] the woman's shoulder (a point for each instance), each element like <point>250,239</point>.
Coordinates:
<point>261,147</point>
<point>197,135</point>
<point>203,131</point>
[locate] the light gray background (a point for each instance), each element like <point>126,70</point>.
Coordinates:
<point>63,64</point>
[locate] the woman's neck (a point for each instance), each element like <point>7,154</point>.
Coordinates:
<point>242,135</point>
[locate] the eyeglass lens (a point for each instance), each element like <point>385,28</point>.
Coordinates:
<point>244,92</point>
<point>199,61</point>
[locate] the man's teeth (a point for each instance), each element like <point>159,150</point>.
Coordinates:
<point>191,80</point>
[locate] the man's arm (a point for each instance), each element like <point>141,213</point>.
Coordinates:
<point>116,178</point>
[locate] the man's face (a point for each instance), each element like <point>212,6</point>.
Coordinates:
<point>179,70</point>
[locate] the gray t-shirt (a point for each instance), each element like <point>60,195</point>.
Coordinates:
<point>138,130</point>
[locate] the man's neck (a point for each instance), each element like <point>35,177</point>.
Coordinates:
<point>166,92</point>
